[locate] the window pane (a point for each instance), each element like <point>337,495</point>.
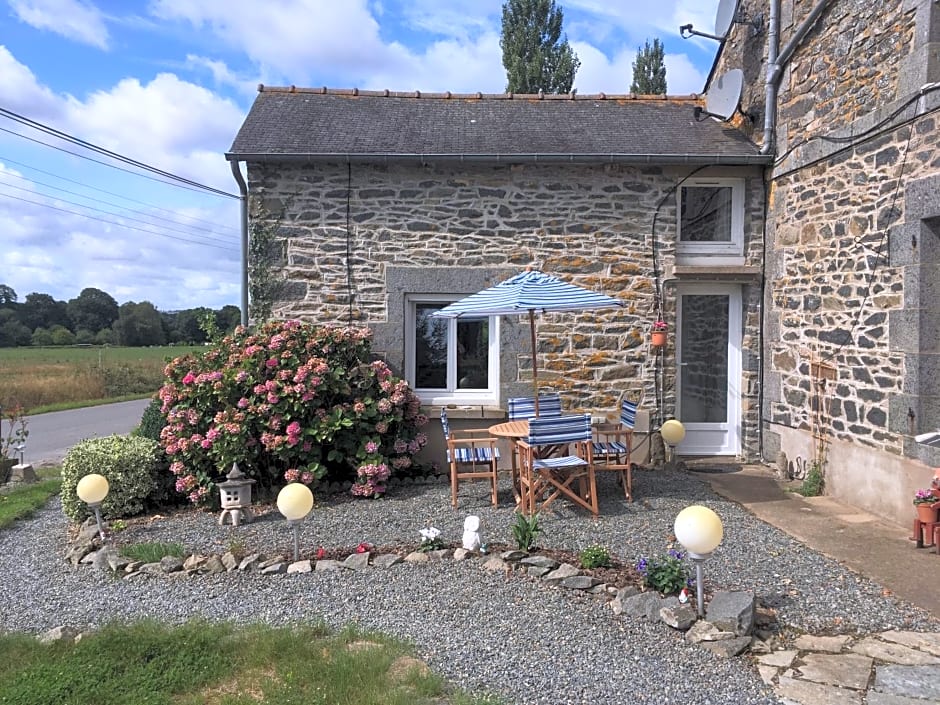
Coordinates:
<point>430,347</point>
<point>706,214</point>
<point>473,354</point>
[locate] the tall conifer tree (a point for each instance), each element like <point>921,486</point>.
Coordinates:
<point>649,70</point>
<point>535,53</point>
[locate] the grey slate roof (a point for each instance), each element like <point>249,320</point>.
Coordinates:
<point>287,124</point>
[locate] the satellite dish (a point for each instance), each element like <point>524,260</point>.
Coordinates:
<point>724,95</point>
<point>727,10</point>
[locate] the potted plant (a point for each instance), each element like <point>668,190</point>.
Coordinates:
<point>926,502</point>
<point>658,333</point>
<point>13,441</point>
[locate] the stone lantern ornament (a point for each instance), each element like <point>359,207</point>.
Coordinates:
<point>236,497</point>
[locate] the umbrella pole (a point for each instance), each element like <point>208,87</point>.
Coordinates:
<point>535,367</point>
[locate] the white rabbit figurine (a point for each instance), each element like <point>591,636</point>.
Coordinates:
<point>471,533</point>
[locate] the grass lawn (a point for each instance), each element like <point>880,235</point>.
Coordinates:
<point>22,501</point>
<point>147,663</point>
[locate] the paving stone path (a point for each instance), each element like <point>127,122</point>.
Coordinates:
<point>890,668</point>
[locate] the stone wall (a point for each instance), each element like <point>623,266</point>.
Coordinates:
<point>849,324</point>
<point>457,229</point>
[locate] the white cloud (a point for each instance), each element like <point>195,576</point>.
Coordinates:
<point>73,19</point>
<point>21,92</point>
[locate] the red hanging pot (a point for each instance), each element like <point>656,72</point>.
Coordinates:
<point>658,338</point>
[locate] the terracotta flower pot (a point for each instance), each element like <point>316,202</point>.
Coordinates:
<point>658,338</point>
<point>926,513</point>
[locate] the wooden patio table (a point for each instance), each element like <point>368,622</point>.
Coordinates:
<point>513,431</point>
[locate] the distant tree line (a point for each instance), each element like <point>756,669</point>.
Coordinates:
<point>95,318</point>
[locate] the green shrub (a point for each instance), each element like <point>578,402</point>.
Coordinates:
<point>152,552</point>
<point>289,402</point>
<point>524,530</point>
<point>152,421</point>
<point>814,482</point>
<point>131,465</point>
<point>595,557</point>
<point>666,574</point>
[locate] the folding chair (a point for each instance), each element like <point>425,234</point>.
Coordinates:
<point>472,455</point>
<point>524,408</point>
<point>613,444</point>
<point>545,479</point>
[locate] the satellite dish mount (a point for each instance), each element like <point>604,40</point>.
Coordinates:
<point>726,16</point>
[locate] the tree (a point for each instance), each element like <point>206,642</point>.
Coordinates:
<point>139,325</point>
<point>42,311</point>
<point>92,309</point>
<point>649,71</point>
<point>536,55</point>
<point>7,295</point>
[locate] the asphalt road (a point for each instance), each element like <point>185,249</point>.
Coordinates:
<point>52,434</point>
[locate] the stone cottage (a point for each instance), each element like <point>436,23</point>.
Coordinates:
<point>391,205</point>
<point>849,335</point>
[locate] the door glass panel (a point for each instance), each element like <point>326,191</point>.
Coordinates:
<point>704,369</point>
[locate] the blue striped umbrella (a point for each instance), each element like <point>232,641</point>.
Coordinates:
<point>528,292</point>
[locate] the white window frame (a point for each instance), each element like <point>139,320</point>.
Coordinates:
<point>733,248</point>
<point>437,397</point>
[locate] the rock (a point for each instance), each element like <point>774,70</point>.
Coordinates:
<point>829,644</point>
<point>732,611</point>
<point>194,562</point>
<point>327,564</point>
<point>843,670</point>
<point>300,567</point>
<point>893,653</point>
<point>117,562</point>
<point>213,566</point>
<point>513,556</point>
<point>537,571</point>
<point>267,563</point>
<point>88,532</point>
<point>681,617</point>
<point>461,554</point>
<point>22,472</point>
<point>357,561</point>
<point>439,554</point>
<point>644,604</point>
<point>496,563</point>
<point>229,561</point>
<point>910,681</point>
<point>58,634</point>
<point>579,582</point>
<point>706,631</point>
<point>386,560</point>
<point>565,570</point>
<point>780,659</point>
<point>540,562</point>
<point>276,568</point>
<point>249,562</point>
<point>417,557</point>
<point>78,550</point>
<point>171,564</point>
<point>104,559</point>
<point>726,648</point>
<point>151,569</point>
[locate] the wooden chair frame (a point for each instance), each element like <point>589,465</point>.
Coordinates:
<point>545,479</point>
<point>472,448</point>
<point>613,444</point>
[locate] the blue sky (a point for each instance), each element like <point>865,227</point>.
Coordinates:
<point>168,82</point>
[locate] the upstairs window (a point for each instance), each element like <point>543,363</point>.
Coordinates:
<point>711,217</point>
<point>450,361</point>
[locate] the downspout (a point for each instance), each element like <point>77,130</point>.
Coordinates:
<point>777,61</point>
<point>243,208</point>
<point>773,76</point>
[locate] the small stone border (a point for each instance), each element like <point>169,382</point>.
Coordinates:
<point>734,623</point>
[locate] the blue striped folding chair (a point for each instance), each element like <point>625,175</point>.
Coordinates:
<point>524,407</point>
<point>472,455</point>
<point>519,408</point>
<point>613,444</point>
<point>545,479</point>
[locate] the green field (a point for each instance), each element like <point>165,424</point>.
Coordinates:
<point>43,379</point>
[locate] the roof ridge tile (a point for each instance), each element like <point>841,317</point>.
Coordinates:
<point>448,95</point>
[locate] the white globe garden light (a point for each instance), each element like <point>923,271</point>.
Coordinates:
<point>92,489</point>
<point>672,432</point>
<point>700,531</point>
<point>295,501</point>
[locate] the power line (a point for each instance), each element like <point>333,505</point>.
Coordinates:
<point>108,153</point>
<point>7,160</point>
<point>204,238</point>
<point>118,224</point>
<point>97,161</point>
<point>110,203</point>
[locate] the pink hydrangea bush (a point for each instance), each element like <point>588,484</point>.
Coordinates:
<point>289,402</point>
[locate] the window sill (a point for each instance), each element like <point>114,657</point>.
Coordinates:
<point>465,411</point>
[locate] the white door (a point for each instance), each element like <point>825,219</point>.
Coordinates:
<point>708,378</point>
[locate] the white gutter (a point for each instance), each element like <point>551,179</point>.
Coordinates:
<point>243,208</point>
